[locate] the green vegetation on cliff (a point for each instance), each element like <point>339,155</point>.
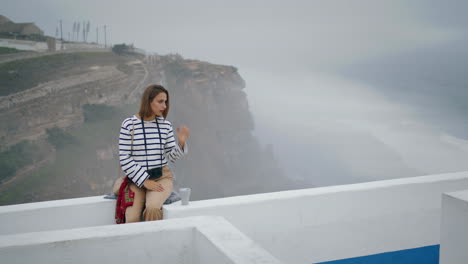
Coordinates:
<point>30,37</point>
<point>16,157</point>
<point>99,112</point>
<point>59,138</point>
<point>20,75</point>
<point>76,168</point>
<point>5,50</point>
<point>124,49</point>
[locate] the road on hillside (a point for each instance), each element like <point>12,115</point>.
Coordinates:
<point>31,54</point>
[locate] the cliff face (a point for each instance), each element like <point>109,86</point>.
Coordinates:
<point>58,101</point>
<point>224,158</point>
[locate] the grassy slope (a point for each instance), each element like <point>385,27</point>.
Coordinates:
<point>68,168</point>
<point>70,162</point>
<point>20,75</point>
<point>5,50</point>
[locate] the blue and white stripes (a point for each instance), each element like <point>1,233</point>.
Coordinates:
<point>133,162</point>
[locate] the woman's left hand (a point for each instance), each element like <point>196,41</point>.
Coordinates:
<point>182,134</point>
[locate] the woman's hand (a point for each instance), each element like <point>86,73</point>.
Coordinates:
<point>153,186</point>
<point>182,134</point>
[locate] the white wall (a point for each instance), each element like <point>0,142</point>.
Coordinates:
<point>302,226</point>
<point>79,46</point>
<point>454,228</point>
<point>189,240</point>
<point>323,224</point>
<point>24,44</point>
<point>42,46</point>
<point>54,215</point>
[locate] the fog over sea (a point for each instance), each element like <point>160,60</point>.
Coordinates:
<point>393,117</point>
<point>343,91</point>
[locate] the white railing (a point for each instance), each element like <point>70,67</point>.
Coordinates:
<point>337,222</point>
<point>300,226</point>
<point>454,228</point>
<point>180,241</point>
<point>56,215</point>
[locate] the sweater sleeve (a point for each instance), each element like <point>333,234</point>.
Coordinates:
<point>172,149</point>
<point>134,172</point>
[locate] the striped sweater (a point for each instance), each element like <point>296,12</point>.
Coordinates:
<point>134,160</point>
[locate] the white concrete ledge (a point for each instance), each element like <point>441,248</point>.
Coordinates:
<point>55,215</point>
<point>249,199</point>
<point>191,240</point>
<point>337,222</point>
<point>454,228</point>
<point>300,226</point>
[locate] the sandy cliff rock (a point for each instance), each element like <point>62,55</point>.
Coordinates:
<point>224,159</point>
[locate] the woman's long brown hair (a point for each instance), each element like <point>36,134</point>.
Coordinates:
<point>150,93</point>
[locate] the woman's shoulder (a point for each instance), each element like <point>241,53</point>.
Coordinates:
<point>164,121</point>
<point>129,122</point>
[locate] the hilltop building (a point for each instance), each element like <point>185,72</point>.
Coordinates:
<point>8,26</point>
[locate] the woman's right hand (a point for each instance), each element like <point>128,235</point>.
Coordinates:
<point>153,186</point>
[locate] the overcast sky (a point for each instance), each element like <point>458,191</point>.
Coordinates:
<point>258,33</point>
<point>296,58</point>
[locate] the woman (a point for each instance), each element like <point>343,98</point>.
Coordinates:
<point>146,143</point>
